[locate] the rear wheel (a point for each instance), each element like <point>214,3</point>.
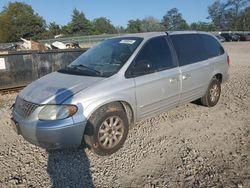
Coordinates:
<point>212,95</point>
<point>107,129</point>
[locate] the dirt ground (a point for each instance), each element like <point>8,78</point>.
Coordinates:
<point>190,146</point>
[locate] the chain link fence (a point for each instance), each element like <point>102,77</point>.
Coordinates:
<point>90,40</point>
<point>82,40</point>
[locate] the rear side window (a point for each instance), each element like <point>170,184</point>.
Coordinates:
<point>212,46</point>
<point>189,48</point>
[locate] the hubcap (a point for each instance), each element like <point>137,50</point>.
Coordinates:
<point>214,93</point>
<point>111,132</point>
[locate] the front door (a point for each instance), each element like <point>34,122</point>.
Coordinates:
<point>157,91</point>
<point>156,77</point>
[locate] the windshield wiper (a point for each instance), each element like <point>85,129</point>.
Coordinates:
<point>91,69</point>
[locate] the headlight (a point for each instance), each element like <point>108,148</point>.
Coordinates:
<point>57,112</point>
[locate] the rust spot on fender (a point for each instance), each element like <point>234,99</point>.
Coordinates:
<point>112,109</point>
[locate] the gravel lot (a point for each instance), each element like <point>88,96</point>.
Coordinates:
<point>190,146</point>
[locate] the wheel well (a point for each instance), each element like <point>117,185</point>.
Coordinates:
<point>128,111</point>
<point>218,77</point>
<point>126,107</point>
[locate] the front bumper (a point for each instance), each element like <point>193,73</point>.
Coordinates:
<point>50,134</point>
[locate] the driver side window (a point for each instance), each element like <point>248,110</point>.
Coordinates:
<point>154,56</point>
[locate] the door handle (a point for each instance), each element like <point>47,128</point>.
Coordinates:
<point>173,80</point>
<point>186,76</point>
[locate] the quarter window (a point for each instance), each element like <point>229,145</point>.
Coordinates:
<point>213,47</point>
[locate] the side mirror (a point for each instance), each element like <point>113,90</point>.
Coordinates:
<point>142,67</point>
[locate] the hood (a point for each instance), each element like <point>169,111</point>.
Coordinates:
<point>56,87</point>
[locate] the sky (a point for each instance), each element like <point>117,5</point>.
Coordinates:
<point>117,11</point>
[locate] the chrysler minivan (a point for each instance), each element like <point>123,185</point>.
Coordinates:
<point>118,82</point>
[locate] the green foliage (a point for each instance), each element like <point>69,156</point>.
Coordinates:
<point>150,24</point>
<point>235,9</point>
<point>79,24</point>
<point>173,20</point>
<point>135,26</point>
<point>217,13</point>
<point>225,14</point>
<point>236,6</point>
<point>202,26</point>
<point>19,20</point>
<point>54,29</point>
<point>66,30</point>
<point>243,23</point>
<point>120,29</point>
<point>102,25</point>
<point>5,29</point>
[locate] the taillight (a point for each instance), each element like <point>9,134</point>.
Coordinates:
<point>228,60</point>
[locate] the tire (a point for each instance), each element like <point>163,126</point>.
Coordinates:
<point>107,129</point>
<point>212,94</point>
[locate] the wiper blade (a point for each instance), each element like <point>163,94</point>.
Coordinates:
<point>91,69</point>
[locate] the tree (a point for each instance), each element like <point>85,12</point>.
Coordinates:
<point>243,23</point>
<point>103,25</point>
<point>236,6</point>
<point>66,30</point>
<point>151,24</point>
<point>54,29</point>
<point>225,14</point>
<point>202,26</point>
<point>120,29</point>
<point>79,24</point>
<point>135,26</point>
<point>19,20</point>
<point>234,10</point>
<point>5,27</point>
<point>173,20</point>
<point>218,15</point>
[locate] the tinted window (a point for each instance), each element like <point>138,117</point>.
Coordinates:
<point>156,53</point>
<point>189,48</point>
<point>212,46</point>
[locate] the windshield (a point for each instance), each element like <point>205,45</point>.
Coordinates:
<point>104,59</point>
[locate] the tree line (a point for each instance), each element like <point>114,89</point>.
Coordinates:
<point>19,20</point>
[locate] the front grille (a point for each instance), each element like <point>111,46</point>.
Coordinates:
<point>24,108</point>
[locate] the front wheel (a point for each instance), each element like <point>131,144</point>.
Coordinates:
<point>107,129</point>
<point>212,95</point>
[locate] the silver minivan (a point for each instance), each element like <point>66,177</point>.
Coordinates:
<point>118,82</point>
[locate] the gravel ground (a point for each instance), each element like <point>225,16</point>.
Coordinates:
<point>190,146</point>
